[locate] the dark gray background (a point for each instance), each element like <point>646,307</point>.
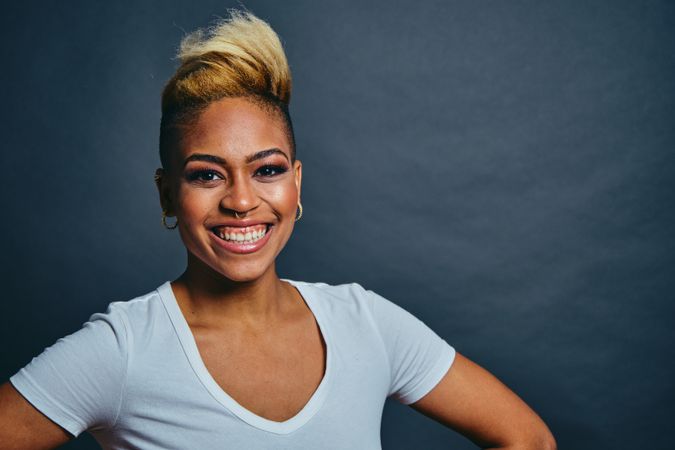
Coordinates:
<point>503,170</point>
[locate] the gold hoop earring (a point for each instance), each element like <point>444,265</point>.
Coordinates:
<point>299,215</point>
<point>167,225</point>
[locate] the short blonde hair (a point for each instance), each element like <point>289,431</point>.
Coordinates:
<point>240,56</point>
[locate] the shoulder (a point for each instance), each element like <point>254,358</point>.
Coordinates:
<point>337,290</point>
<point>79,381</point>
<point>141,304</point>
<point>128,321</point>
<point>351,301</point>
<point>348,295</point>
<point>354,299</point>
<point>134,317</point>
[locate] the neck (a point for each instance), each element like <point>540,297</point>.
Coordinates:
<point>209,299</point>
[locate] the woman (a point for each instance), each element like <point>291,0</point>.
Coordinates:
<point>229,355</point>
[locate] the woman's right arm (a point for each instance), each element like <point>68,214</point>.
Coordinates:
<point>74,385</point>
<point>22,427</point>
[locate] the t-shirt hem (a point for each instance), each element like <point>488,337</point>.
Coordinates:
<point>443,364</point>
<point>45,404</point>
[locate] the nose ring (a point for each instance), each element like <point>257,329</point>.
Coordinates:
<point>236,214</point>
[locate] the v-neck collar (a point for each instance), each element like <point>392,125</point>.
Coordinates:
<point>190,349</point>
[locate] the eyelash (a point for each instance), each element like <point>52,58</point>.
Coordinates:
<point>196,175</point>
<point>279,169</point>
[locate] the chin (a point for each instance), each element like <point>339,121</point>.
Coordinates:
<point>240,272</point>
<point>242,276</point>
<point>214,263</point>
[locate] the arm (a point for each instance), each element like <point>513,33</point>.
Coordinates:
<point>22,427</point>
<point>76,384</point>
<point>476,404</point>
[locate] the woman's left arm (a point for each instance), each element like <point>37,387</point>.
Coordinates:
<point>473,402</point>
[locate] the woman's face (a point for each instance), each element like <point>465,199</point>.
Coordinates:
<point>236,158</point>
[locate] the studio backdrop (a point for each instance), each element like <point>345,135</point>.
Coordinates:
<point>503,170</point>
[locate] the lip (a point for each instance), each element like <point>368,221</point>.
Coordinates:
<point>239,223</point>
<point>242,248</point>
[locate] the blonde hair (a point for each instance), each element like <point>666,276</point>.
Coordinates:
<point>240,56</point>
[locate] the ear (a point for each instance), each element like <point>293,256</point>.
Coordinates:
<point>297,172</point>
<point>162,183</point>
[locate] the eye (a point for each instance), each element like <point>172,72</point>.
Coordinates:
<point>271,170</point>
<point>203,176</point>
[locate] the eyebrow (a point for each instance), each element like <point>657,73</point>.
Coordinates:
<point>249,159</point>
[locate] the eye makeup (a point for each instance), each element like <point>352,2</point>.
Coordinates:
<point>206,175</point>
<point>201,175</point>
<point>271,170</point>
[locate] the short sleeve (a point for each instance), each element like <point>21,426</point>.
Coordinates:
<point>418,357</point>
<point>77,382</point>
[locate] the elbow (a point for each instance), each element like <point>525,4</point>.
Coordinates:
<point>550,443</point>
<point>540,439</point>
<point>543,440</point>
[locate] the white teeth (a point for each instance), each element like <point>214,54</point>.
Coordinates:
<point>249,237</point>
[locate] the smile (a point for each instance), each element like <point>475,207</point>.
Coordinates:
<point>246,235</point>
<point>242,239</point>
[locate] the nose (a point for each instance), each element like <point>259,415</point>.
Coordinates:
<point>240,196</point>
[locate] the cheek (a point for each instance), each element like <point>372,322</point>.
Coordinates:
<point>194,205</point>
<point>283,196</point>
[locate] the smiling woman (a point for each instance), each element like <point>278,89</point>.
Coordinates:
<point>229,355</point>
<point>232,176</point>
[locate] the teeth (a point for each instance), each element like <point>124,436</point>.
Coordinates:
<point>246,238</point>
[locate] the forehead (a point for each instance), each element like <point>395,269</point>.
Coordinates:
<point>233,128</point>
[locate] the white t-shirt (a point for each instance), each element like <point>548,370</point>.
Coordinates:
<point>133,377</point>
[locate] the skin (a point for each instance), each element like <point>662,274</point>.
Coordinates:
<point>238,299</point>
